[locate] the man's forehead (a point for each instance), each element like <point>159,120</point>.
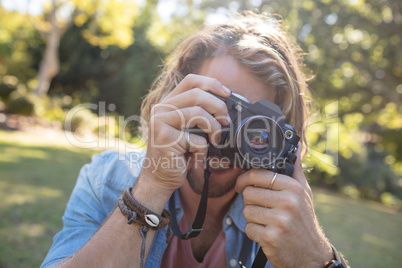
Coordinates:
<point>237,78</point>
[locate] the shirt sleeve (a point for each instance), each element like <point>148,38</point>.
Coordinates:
<point>93,198</point>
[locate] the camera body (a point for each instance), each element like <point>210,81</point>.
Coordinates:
<point>257,136</point>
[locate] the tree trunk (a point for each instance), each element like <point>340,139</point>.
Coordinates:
<point>50,64</point>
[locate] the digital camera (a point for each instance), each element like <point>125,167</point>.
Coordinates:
<point>257,136</point>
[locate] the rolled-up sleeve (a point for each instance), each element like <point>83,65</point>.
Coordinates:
<point>92,199</point>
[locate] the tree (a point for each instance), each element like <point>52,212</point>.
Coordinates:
<point>20,46</point>
<point>110,24</point>
<point>116,75</point>
<point>354,53</point>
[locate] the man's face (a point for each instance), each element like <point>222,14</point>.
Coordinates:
<point>241,81</point>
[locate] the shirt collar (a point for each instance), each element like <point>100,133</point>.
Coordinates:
<point>179,210</point>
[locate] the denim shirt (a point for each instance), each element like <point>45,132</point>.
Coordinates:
<point>95,195</point>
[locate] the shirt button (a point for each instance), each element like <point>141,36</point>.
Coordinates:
<point>229,221</point>
<point>233,262</point>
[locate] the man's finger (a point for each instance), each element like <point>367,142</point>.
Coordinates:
<point>258,214</point>
<point>262,197</point>
<point>262,178</point>
<point>198,97</point>
<point>202,82</point>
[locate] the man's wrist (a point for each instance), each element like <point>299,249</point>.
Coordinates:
<point>150,194</point>
<point>323,256</point>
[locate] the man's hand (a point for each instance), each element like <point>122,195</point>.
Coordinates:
<point>187,106</point>
<point>282,220</point>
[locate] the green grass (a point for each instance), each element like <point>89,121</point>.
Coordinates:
<point>368,233</point>
<point>36,179</point>
<point>35,184</point>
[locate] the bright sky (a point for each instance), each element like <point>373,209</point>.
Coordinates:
<point>33,7</point>
<point>165,9</point>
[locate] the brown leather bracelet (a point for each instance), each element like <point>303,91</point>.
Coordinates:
<point>145,218</point>
<point>142,214</point>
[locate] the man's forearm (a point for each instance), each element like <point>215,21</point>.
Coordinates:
<point>116,243</point>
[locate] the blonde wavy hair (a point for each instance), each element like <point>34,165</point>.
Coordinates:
<point>258,43</point>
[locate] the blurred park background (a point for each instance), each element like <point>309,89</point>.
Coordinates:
<point>55,55</point>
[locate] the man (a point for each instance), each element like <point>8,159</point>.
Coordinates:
<point>249,56</point>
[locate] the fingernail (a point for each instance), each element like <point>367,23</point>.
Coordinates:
<point>227,91</point>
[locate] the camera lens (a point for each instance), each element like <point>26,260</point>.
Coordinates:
<point>258,140</point>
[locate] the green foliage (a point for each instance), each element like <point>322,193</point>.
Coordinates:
<point>107,127</point>
<point>82,120</point>
<point>167,34</point>
<point>6,90</point>
<point>110,21</point>
<point>390,200</point>
<point>53,108</point>
<point>141,69</point>
<point>115,75</point>
<point>20,46</point>
<point>22,105</point>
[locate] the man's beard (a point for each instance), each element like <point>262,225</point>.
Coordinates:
<point>215,189</point>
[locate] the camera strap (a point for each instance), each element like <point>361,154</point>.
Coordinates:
<point>195,229</point>
<point>260,260</point>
